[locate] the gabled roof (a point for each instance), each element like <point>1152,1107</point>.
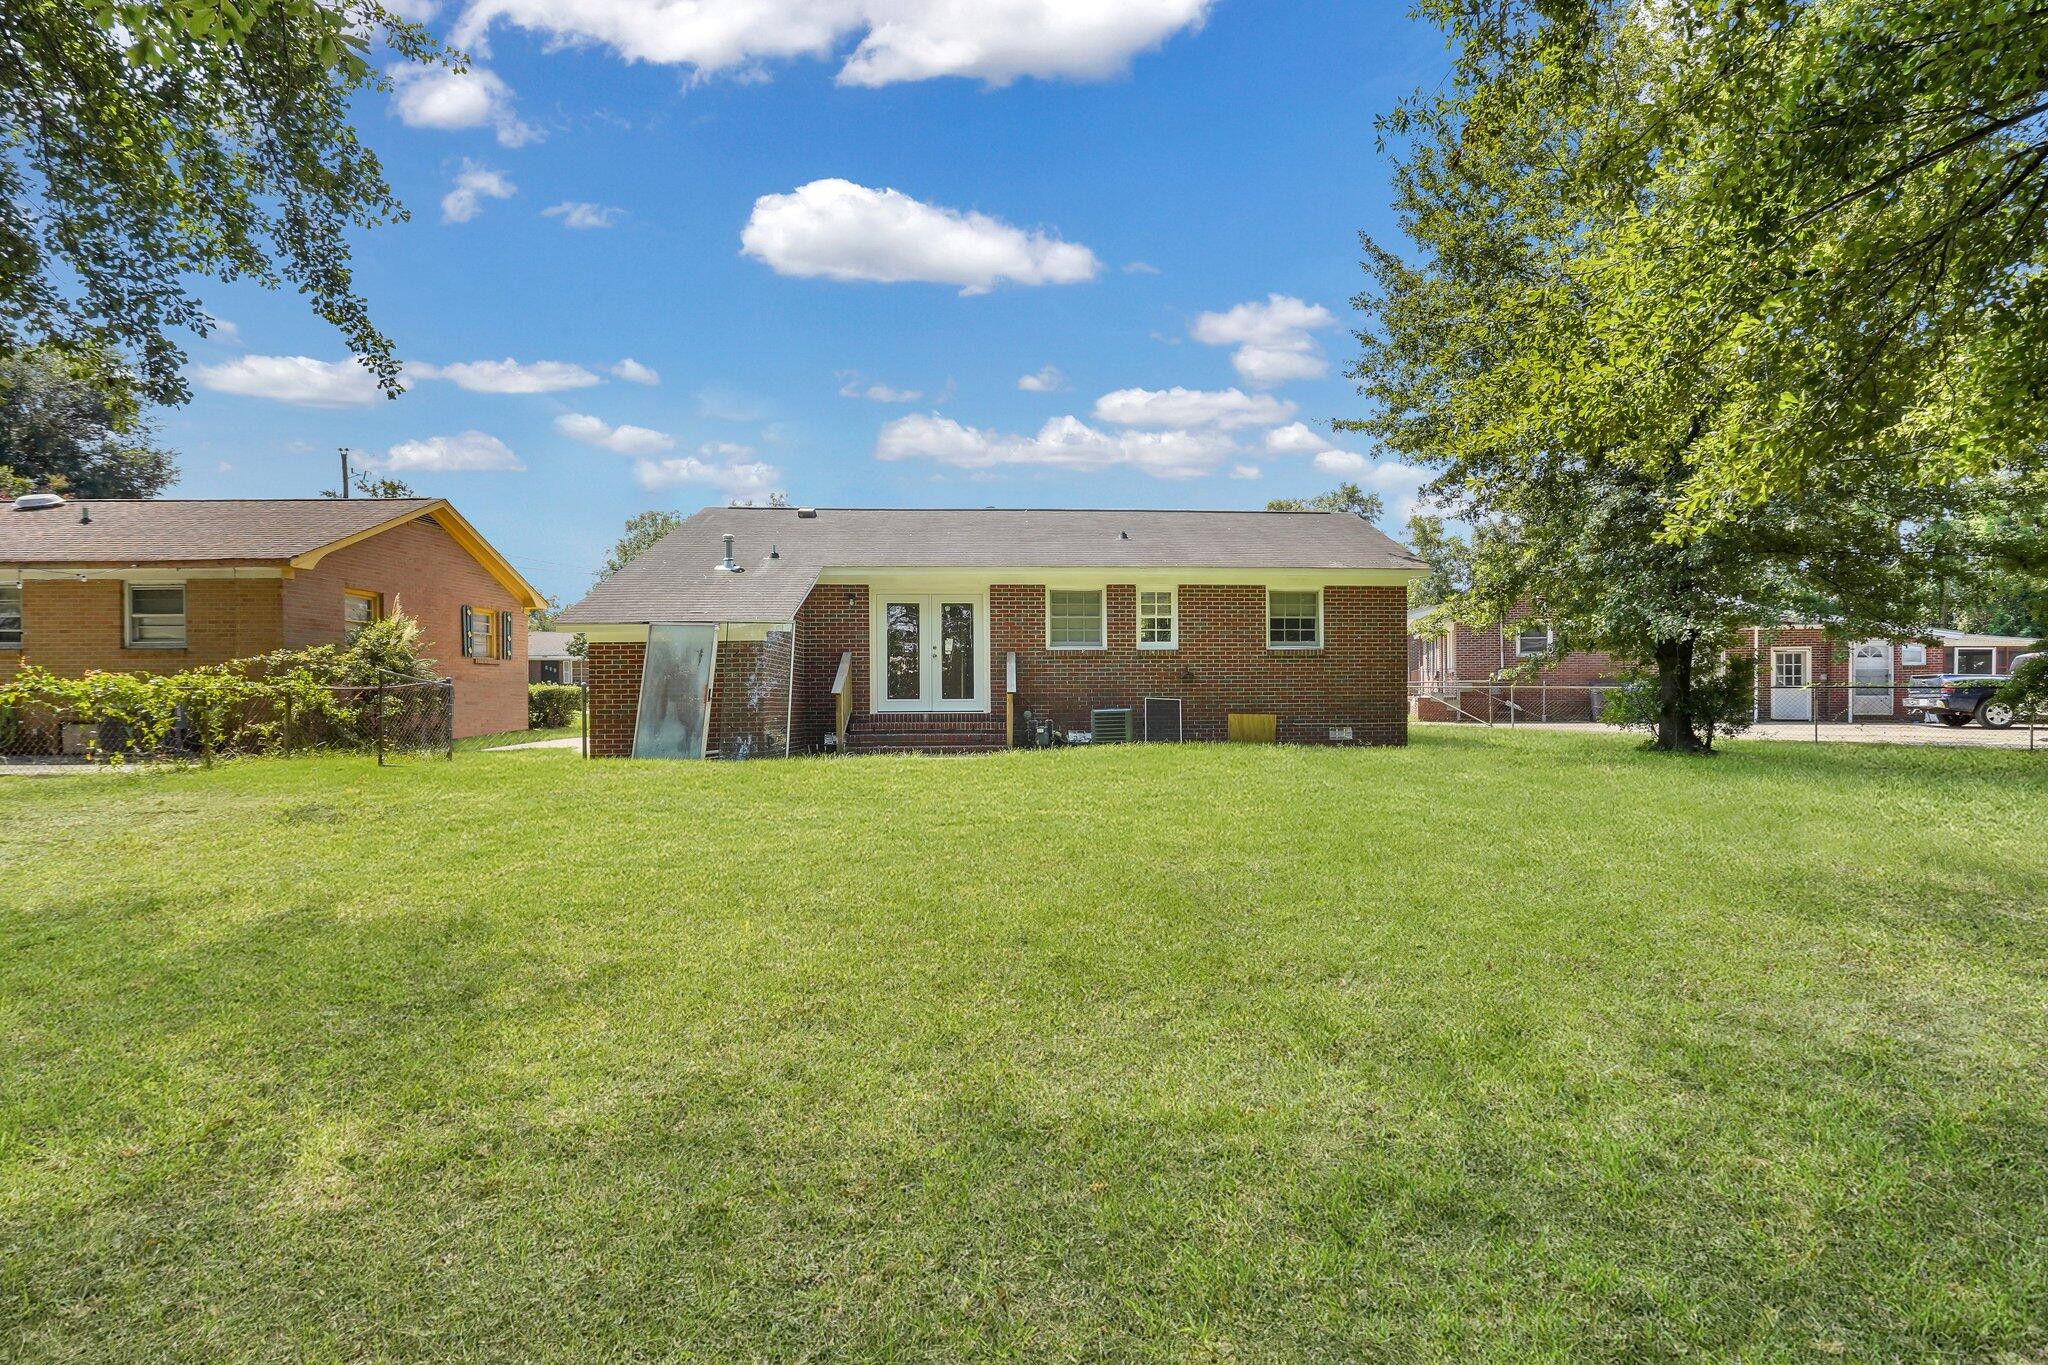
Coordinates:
<point>679,579</point>
<point>288,532</point>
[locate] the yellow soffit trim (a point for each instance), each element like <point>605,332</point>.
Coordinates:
<point>459,530</point>
<point>1135,575</point>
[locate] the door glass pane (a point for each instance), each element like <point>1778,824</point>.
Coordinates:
<point>902,649</point>
<point>675,692</point>
<point>956,651</point>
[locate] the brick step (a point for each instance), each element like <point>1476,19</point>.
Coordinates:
<point>918,732</point>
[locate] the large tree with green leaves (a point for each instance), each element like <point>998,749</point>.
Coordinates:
<point>62,428</point>
<point>1566,429</point>
<point>1345,497</point>
<point>153,144</point>
<point>643,532</point>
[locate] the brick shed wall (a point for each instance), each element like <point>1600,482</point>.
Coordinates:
<point>421,570</point>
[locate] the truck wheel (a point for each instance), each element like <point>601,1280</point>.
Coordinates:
<point>1954,721</point>
<point>1994,715</point>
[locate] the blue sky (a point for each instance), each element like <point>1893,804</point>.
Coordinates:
<point>835,235</point>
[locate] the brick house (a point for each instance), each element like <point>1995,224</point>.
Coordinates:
<point>166,584</point>
<point>1455,672</point>
<point>772,630</point>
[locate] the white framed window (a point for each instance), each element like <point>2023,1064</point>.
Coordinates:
<point>1073,618</point>
<point>10,616</point>
<point>1977,660</point>
<point>1913,656</point>
<point>156,616</point>
<point>1158,618</point>
<point>1788,667</point>
<point>1533,640</point>
<point>1294,619</point>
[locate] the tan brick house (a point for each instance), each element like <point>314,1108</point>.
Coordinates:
<point>166,584</point>
<point>875,628</point>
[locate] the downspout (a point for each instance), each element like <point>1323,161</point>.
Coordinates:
<point>1756,674</point>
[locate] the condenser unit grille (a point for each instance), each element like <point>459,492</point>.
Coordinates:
<point>1111,724</point>
<point>1162,719</point>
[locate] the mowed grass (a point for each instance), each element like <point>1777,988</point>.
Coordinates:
<point>1503,1046</point>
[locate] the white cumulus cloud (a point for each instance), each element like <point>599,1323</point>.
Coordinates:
<point>1244,471</point>
<point>469,452</point>
<point>853,386</point>
<point>295,379</point>
<point>1047,380</point>
<point>723,465</point>
<point>1065,443</point>
<point>474,183</point>
<point>623,439</point>
<point>633,372</point>
<point>438,97</point>
<point>1272,338</point>
<point>838,230</point>
<point>582,215</point>
<point>1226,409</point>
<point>1296,438</point>
<point>510,376</point>
<point>994,41</point>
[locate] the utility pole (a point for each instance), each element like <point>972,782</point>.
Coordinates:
<point>344,470</point>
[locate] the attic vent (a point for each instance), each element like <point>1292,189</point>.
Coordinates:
<point>807,513</point>
<point>36,502</point>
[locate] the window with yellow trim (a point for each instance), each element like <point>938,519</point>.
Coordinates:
<point>483,633</point>
<point>360,608</point>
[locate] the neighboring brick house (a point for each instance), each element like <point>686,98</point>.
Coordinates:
<point>1456,672</point>
<point>940,630</point>
<point>548,659</point>
<point>1801,668</point>
<point>166,584</point>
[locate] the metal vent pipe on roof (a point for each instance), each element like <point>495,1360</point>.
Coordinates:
<point>728,564</point>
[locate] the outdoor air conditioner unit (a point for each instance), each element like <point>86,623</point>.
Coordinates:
<point>1111,724</point>
<point>1162,719</point>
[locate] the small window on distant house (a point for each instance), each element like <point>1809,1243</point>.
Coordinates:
<point>359,609</point>
<point>156,616</point>
<point>10,617</point>
<point>480,640</point>
<point>1294,620</point>
<point>1913,656</point>
<point>1533,640</point>
<point>1158,622</point>
<point>1073,620</point>
<point>1977,661</point>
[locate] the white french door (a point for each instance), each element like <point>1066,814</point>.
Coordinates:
<point>930,652</point>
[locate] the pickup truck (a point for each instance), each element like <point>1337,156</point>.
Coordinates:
<point>1959,698</point>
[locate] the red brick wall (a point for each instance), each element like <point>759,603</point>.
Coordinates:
<point>1222,665</point>
<point>614,697</point>
<point>70,627</point>
<point>420,569</point>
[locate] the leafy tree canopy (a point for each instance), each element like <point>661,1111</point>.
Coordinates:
<point>1448,556</point>
<point>63,429</point>
<point>365,486</point>
<point>154,144</point>
<point>642,533</point>
<point>1345,497</point>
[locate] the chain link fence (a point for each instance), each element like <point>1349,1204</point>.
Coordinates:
<point>396,721</point>
<point>1816,711</point>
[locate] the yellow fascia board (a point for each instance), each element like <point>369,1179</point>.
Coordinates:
<point>459,530</point>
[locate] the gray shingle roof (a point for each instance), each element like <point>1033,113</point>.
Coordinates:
<point>189,530</point>
<point>678,579</point>
<point>548,644</point>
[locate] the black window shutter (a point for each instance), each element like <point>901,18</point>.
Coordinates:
<point>466,650</point>
<point>504,634</point>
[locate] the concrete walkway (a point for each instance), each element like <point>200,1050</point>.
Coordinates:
<point>570,743</point>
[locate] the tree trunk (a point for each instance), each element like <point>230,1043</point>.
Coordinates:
<point>1675,731</point>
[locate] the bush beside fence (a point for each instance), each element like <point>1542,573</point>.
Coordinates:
<point>550,706</point>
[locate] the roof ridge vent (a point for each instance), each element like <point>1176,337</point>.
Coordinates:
<point>807,513</point>
<point>36,502</point>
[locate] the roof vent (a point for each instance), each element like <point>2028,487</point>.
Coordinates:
<point>807,513</point>
<point>728,564</point>
<point>36,502</point>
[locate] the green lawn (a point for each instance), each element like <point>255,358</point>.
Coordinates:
<point>1507,1046</point>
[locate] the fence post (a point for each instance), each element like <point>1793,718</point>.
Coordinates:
<point>287,727</point>
<point>448,717</point>
<point>378,703</point>
<point>585,685</point>
<point>1815,700</point>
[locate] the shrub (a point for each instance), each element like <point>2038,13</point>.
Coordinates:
<point>549,706</point>
<point>1723,697</point>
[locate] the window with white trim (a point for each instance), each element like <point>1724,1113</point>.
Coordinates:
<point>1788,667</point>
<point>1073,618</point>
<point>1533,640</point>
<point>1158,619</point>
<point>1294,620</point>
<point>10,616</point>
<point>156,616</point>
<point>1913,655</point>
<point>1979,661</point>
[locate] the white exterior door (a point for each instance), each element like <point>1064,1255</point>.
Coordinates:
<point>929,652</point>
<point>1870,679</point>
<point>1791,674</point>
